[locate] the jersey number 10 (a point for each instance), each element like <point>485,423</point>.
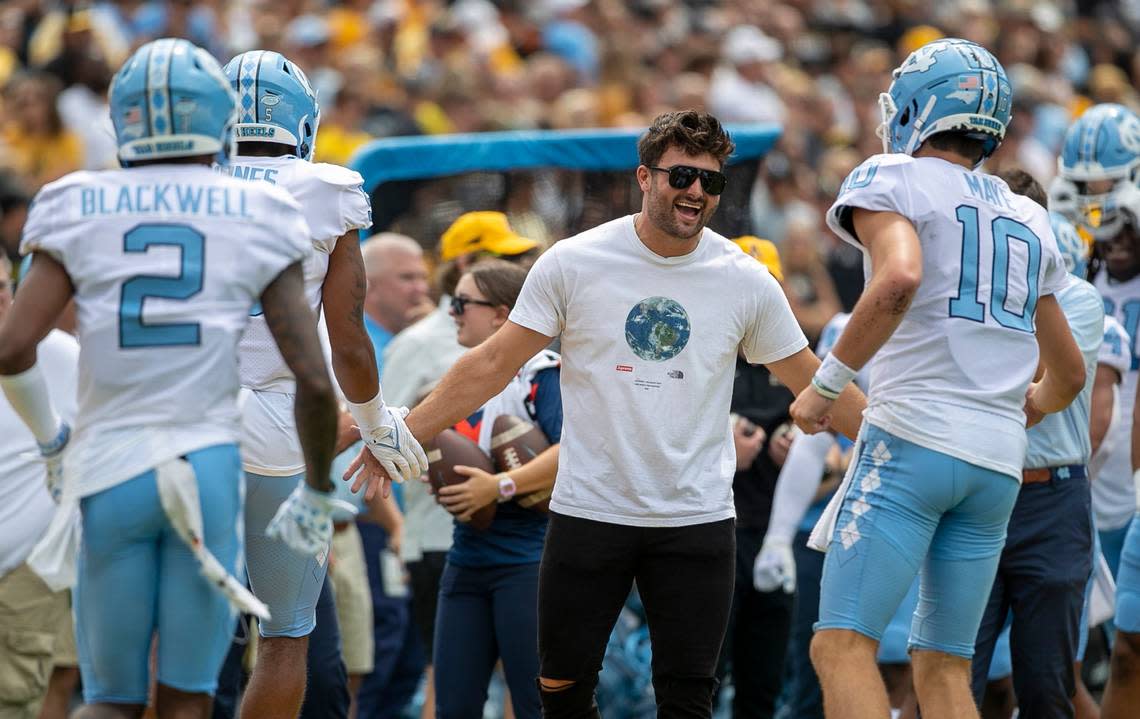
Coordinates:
<point>1004,230</point>
<point>134,332</point>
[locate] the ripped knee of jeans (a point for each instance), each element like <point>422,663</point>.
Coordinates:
<point>555,685</point>
<point>568,698</point>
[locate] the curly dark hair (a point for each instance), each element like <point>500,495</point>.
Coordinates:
<point>693,132</point>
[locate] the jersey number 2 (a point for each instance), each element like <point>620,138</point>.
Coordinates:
<point>1004,231</point>
<point>133,331</point>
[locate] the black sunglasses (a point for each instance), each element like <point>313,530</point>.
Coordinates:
<point>681,176</point>
<point>459,304</point>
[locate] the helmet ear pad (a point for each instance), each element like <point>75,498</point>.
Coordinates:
<point>307,135</point>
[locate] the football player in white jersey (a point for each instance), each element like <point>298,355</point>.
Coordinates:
<point>163,288</point>
<point>1098,170</point>
<point>1122,695</point>
<point>276,129</point>
<point>961,272</point>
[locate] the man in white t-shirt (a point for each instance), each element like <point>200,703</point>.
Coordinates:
<point>651,309</point>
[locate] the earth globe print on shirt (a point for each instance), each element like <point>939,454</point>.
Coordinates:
<point>657,329</point>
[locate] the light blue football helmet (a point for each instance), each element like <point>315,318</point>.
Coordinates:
<point>170,99</point>
<point>1102,146</point>
<point>276,102</point>
<point>1074,250</point>
<point>946,85</point>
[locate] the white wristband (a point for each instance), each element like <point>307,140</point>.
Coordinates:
<point>368,415</point>
<point>28,394</point>
<point>832,376</point>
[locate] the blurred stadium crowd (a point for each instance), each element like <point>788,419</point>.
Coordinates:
<point>398,67</point>
<point>403,67</point>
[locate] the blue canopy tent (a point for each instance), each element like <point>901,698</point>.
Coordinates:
<point>401,159</point>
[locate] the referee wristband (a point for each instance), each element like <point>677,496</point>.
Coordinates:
<point>831,377</point>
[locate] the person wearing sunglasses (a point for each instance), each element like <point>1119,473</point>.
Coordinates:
<point>650,309</point>
<point>488,594</point>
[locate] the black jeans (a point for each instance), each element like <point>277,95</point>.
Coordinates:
<point>1040,579</point>
<point>685,578</point>
<point>758,633</point>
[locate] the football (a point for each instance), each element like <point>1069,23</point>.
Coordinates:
<point>514,442</point>
<point>448,449</point>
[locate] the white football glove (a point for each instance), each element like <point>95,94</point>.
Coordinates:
<point>304,520</point>
<point>394,447</point>
<point>775,567</point>
<point>52,455</point>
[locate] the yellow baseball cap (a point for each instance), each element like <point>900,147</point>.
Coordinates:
<point>482,232</point>
<point>764,252</point>
<point>918,36</point>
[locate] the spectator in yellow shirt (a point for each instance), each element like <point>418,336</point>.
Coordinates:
<point>36,144</point>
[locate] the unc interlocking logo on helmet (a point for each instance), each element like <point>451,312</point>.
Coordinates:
<point>276,102</point>
<point>1074,250</point>
<point>946,85</point>
<point>170,99</point>
<point>1100,157</point>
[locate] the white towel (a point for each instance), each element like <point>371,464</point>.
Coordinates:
<point>54,557</point>
<point>178,491</point>
<point>825,527</point>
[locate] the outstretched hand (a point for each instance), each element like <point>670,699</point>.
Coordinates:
<point>367,472</point>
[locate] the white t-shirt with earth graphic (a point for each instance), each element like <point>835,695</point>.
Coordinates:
<point>648,348</point>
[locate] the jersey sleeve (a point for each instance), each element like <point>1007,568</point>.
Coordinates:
<point>42,232</point>
<point>343,206</point>
<point>541,305</point>
<point>881,184</point>
<point>1114,350</point>
<point>771,332</point>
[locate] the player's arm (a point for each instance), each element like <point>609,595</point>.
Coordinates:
<point>477,376</point>
<point>1100,413</point>
<point>295,330</point>
<point>796,373</point>
<point>896,272</point>
<point>44,293</point>
<point>353,357</point>
<point>1064,365</point>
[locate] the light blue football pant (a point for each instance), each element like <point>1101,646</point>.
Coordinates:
<point>138,578</point>
<point>911,510</point>
<point>287,581</point>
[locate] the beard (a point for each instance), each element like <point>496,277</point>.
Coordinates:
<point>663,214</point>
